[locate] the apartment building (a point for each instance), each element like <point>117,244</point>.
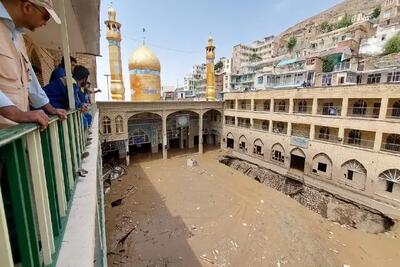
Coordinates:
<point>344,139</point>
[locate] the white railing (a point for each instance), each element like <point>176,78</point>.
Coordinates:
<point>364,143</point>
<point>330,111</point>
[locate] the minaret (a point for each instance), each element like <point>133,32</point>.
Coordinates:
<point>210,55</point>
<point>114,40</point>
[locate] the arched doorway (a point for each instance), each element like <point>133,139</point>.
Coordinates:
<point>212,126</point>
<point>183,131</point>
<point>297,159</point>
<point>144,134</point>
<point>230,141</point>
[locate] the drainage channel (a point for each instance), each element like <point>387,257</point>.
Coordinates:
<point>329,206</point>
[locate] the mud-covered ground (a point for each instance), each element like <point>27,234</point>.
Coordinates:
<point>212,215</point>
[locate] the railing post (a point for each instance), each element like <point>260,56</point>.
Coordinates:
<point>64,159</point>
<point>72,145</point>
<point>58,169</point>
<point>20,193</point>
<point>41,196</point>
<point>68,153</point>
<point>6,259</point>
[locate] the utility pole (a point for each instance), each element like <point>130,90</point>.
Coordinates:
<point>108,86</point>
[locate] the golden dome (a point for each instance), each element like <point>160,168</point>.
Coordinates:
<point>143,58</point>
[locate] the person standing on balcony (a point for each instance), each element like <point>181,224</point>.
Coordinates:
<point>59,72</point>
<point>19,85</point>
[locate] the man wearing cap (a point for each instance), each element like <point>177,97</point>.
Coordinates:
<point>19,85</point>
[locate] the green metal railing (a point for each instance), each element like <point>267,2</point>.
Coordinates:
<point>38,171</point>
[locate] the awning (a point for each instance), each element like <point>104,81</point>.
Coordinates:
<point>83,28</point>
<point>287,62</point>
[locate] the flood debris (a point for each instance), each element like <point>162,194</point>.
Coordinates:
<point>190,162</point>
<point>116,203</point>
<point>332,207</point>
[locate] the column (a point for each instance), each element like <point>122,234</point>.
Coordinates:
<point>378,141</point>
<point>127,152</point>
<point>201,134</point>
<point>291,105</point>
<point>182,138</point>
<point>345,106</point>
<point>272,106</point>
<point>252,104</point>
<point>289,129</point>
<point>164,134</point>
<point>312,131</point>
<point>270,126</point>
<point>314,106</point>
<point>384,108</point>
<point>341,133</point>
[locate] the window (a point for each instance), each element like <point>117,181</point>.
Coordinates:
<point>327,79</point>
<point>389,186</point>
<point>260,80</point>
<point>264,125</point>
<point>266,105</point>
<point>279,127</point>
<point>281,106</point>
<point>393,142</point>
<point>277,156</point>
<point>374,78</point>
<point>119,124</point>
<point>350,174</point>
<point>396,109</point>
<point>393,77</point>
<point>106,125</point>
<point>322,167</point>
<point>341,80</point>
<point>258,150</point>
<point>242,145</point>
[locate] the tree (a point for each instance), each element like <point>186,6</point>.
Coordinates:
<point>392,45</point>
<point>326,27</point>
<point>375,14</point>
<point>219,65</point>
<point>344,22</point>
<point>292,42</point>
<point>328,63</point>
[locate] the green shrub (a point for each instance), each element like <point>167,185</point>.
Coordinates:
<point>219,65</point>
<point>392,45</point>
<point>292,42</point>
<point>326,27</point>
<point>328,63</point>
<point>375,14</point>
<point>344,22</point>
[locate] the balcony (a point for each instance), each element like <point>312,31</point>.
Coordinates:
<point>358,138</point>
<point>230,104</point>
<point>302,106</point>
<point>279,127</point>
<point>244,122</point>
<point>391,143</point>
<point>244,105</point>
<point>301,130</point>
<point>326,134</point>
<point>342,66</point>
<point>329,107</point>
<point>40,189</point>
<point>367,108</point>
<point>262,105</point>
<point>262,125</point>
<point>229,120</point>
<point>281,106</point>
<point>393,111</point>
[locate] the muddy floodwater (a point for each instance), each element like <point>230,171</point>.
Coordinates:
<point>163,213</point>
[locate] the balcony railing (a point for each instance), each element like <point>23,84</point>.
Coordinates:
<point>277,130</point>
<point>342,66</point>
<point>367,112</point>
<point>364,143</point>
<point>281,108</point>
<point>391,147</point>
<point>393,113</point>
<point>302,109</point>
<point>301,133</point>
<point>260,126</point>
<point>244,124</point>
<point>330,111</point>
<point>244,106</point>
<point>230,122</point>
<point>37,186</point>
<point>327,137</point>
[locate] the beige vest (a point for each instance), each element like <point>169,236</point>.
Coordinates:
<point>14,71</point>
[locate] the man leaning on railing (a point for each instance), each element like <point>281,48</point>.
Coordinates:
<point>19,86</point>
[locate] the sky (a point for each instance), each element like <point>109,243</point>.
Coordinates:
<point>177,30</point>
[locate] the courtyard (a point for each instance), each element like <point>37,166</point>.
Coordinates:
<point>164,213</point>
